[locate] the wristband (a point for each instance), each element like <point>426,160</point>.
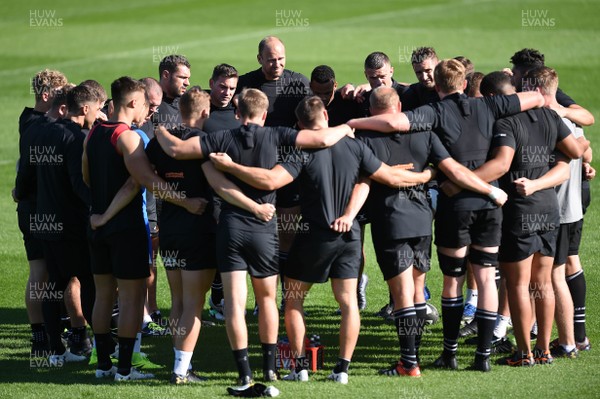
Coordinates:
<point>495,193</point>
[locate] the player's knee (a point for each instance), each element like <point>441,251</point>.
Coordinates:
<point>485,259</point>
<point>452,267</point>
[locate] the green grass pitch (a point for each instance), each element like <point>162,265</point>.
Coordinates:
<point>107,39</point>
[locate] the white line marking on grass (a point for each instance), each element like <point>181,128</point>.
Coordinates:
<point>231,38</point>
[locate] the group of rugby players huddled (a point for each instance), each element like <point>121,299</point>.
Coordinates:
<point>498,161</point>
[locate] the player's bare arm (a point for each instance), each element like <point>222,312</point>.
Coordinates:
<point>399,177</point>
<point>576,114</point>
<point>263,179</point>
<point>385,123</point>
<point>323,138</point>
<point>491,170</point>
<point>343,224</point>
<point>231,193</point>
<point>123,197</point>
<point>177,148</point>
<point>557,175</point>
<point>469,180</point>
<point>131,146</point>
<point>530,99</point>
<point>572,147</point>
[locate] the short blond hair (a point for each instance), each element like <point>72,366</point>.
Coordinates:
<point>47,81</point>
<point>544,78</point>
<point>193,102</point>
<point>252,103</point>
<point>449,76</point>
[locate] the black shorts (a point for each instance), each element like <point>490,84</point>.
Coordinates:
<point>183,252</point>
<point>457,229</point>
<point>315,257</point>
<point>33,245</point>
<point>123,254</point>
<point>567,242</point>
<point>66,259</point>
<point>395,256</point>
<point>256,252</point>
<point>516,248</point>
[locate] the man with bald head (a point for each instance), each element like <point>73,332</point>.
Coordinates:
<point>155,97</point>
<point>283,87</point>
<point>401,224</point>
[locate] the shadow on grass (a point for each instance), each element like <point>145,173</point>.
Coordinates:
<point>377,347</point>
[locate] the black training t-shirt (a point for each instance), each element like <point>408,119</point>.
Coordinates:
<point>563,98</point>
<point>27,117</point>
<point>464,126</point>
<point>341,111</point>
<point>168,113</point>
<point>406,212</point>
<point>284,94</point>
<point>366,103</point>
<point>62,197</point>
<point>186,177</point>
<point>417,95</point>
<point>533,135</point>
<point>26,180</point>
<point>221,118</point>
<point>327,177</point>
<point>108,173</point>
<point>249,145</point>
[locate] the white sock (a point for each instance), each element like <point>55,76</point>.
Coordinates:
<point>147,319</point>
<point>471,297</point>
<point>501,325</point>
<point>182,362</point>
<point>138,343</point>
<point>568,348</point>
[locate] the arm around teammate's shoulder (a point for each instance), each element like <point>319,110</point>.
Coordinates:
<point>384,123</point>
<point>399,177</point>
<point>323,138</point>
<point>177,148</point>
<point>262,179</point>
<point>530,99</point>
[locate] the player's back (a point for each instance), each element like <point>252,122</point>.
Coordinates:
<point>61,193</point>
<point>108,173</point>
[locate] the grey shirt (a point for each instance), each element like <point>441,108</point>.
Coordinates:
<point>569,193</point>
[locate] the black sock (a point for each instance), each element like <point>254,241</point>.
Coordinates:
<point>78,334</point>
<point>578,288</point>
<point>125,354</point>
<point>300,363</point>
<point>406,328</point>
<point>104,347</point>
<point>452,310</point>
<point>421,311</point>
<point>341,366</point>
<point>242,363</point>
<point>38,333</point>
<point>216,290</point>
<point>486,321</point>
<point>269,352</point>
